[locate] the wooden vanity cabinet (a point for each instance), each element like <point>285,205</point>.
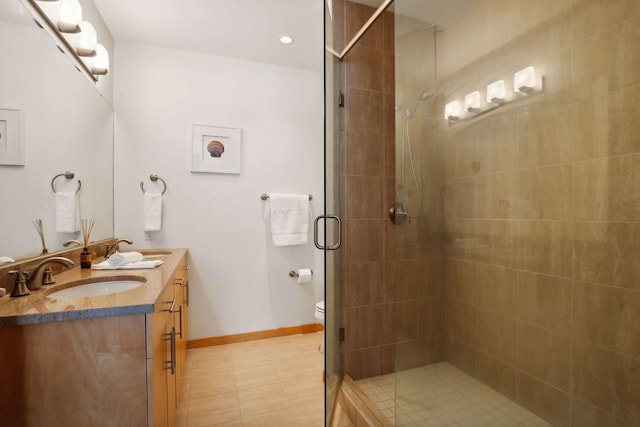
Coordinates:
<point>114,371</point>
<point>181,317</point>
<point>168,344</point>
<point>161,361</point>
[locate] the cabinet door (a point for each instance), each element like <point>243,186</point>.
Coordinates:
<point>171,369</point>
<point>163,339</point>
<point>181,317</point>
<point>159,379</point>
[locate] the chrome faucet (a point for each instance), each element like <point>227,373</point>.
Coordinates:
<point>42,273</point>
<point>71,242</point>
<point>110,250</point>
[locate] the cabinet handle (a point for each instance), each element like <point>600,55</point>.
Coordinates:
<point>180,322</point>
<point>180,281</point>
<point>185,267</point>
<point>186,301</point>
<point>173,304</point>
<point>171,364</point>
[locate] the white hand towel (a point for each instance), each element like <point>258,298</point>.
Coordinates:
<point>104,265</point>
<point>67,212</point>
<point>289,219</point>
<point>152,211</point>
<point>122,258</point>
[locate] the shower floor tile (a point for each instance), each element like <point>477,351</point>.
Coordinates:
<point>442,395</point>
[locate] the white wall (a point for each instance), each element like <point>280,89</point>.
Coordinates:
<point>239,281</point>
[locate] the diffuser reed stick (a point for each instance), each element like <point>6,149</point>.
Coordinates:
<point>85,256</point>
<point>37,223</point>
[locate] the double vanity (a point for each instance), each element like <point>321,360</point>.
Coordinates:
<point>97,348</point>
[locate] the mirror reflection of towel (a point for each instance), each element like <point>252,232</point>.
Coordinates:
<point>289,219</point>
<point>152,211</point>
<point>67,218</point>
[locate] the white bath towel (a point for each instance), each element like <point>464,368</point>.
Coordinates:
<point>104,265</point>
<point>122,258</point>
<point>289,219</point>
<point>152,211</point>
<point>67,218</point>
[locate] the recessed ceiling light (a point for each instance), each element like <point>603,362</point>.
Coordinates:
<point>284,39</point>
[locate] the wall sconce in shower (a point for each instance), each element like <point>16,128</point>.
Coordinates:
<point>525,83</point>
<point>496,92</point>
<point>472,102</point>
<point>452,111</point>
<point>62,20</point>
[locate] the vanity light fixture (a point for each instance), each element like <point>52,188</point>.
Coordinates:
<point>472,102</point>
<point>99,64</point>
<point>85,41</point>
<point>70,16</point>
<point>51,9</point>
<point>496,92</point>
<point>285,39</point>
<point>452,111</point>
<point>524,81</point>
<point>62,20</point>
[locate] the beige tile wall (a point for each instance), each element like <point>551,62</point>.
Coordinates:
<point>543,207</point>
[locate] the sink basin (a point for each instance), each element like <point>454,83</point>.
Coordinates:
<point>96,288</point>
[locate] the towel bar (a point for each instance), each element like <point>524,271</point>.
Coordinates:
<point>153,177</point>
<point>265,196</point>
<point>68,175</point>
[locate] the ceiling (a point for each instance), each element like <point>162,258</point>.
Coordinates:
<point>245,29</point>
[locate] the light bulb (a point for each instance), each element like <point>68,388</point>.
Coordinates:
<point>496,92</point>
<point>524,81</point>
<point>472,102</point>
<point>452,111</point>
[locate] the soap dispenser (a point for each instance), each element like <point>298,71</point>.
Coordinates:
<point>20,287</point>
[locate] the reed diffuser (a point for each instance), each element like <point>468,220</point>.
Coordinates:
<point>37,223</point>
<point>85,256</point>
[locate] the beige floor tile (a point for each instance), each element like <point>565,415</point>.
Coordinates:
<point>212,386</point>
<point>206,410</point>
<point>257,376</point>
<point>262,400</point>
<point>272,382</point>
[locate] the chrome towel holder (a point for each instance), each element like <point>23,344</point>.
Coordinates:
<point>68,175</point>
<point>265,196</point>
<point>153,177</point>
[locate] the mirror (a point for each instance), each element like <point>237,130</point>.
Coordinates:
<point>68,126</point>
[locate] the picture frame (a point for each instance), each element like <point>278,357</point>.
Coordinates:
<point>216,149</point>
<point>12,151</point>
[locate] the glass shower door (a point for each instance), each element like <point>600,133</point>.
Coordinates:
<point>329,228</point>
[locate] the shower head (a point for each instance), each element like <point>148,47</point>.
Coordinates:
<point>426,95</point>
<point>423,97</point>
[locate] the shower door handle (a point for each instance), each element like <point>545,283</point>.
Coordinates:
<point>315,232</point>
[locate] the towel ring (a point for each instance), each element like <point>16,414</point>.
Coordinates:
<point>68,175</point>
<point>154,178</point>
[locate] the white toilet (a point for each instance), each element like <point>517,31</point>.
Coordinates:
<point>320,316</point>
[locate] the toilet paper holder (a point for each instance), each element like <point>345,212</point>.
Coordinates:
<point>294,273</point>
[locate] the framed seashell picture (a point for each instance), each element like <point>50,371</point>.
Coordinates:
<point>216,149</point>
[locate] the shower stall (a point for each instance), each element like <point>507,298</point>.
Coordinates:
<point>488,271</point>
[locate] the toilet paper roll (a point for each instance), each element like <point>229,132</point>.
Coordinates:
<point>304,275</point>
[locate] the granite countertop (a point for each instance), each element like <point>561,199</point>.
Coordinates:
<point>38,307</point>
